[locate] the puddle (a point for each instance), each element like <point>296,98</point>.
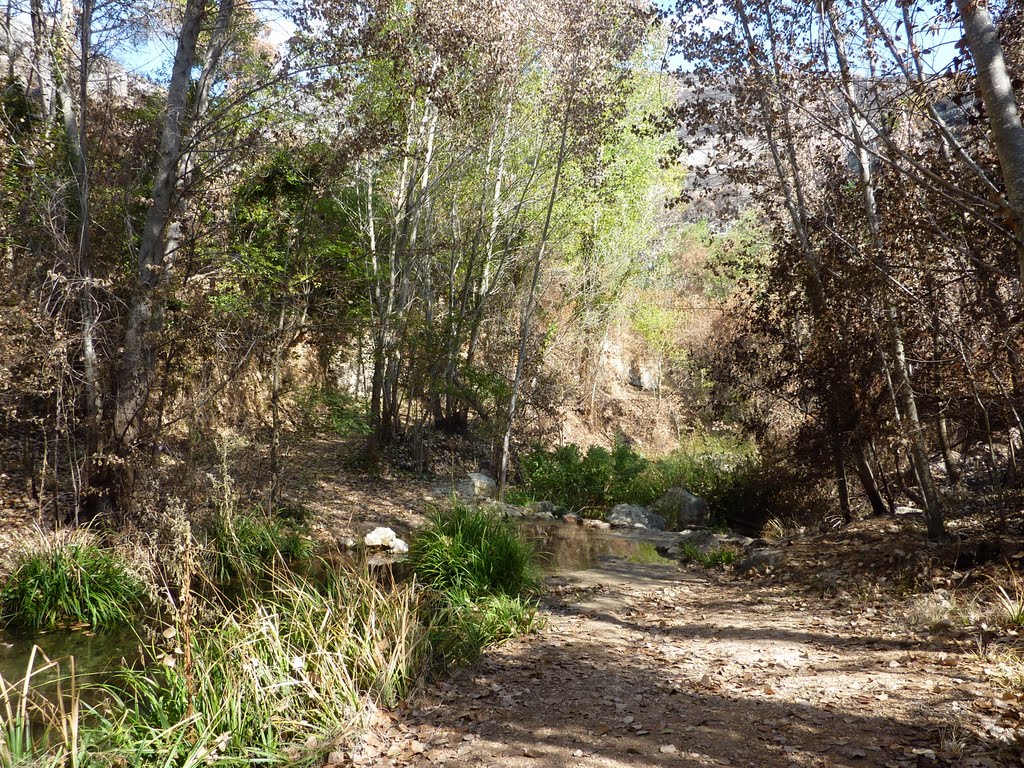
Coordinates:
<point>564,547</point>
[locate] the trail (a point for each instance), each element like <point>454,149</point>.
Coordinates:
<point>651,665</point>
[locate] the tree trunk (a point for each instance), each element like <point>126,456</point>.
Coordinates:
<point>904,389</point>
<point>531,304</point>
<point>1001,105</point>
<point>145,315</point>
<point>867,480</point>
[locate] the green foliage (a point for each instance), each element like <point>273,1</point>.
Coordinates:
<point>329,409</point>
<point>68,583</point>
<point>646,553</point>
<point>722,470</point>
<point>481,573</point>
<point>275,680</point>
<point>462,627</point>
<point>472,551</point>
<point>587,483</point>
<point>242,546</point>
<point>711,558</point>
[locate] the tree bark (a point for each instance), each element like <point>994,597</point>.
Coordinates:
<point>1001,105</point>
<point>531,304</point>
<point>904,389</point>
<point>145,316</point>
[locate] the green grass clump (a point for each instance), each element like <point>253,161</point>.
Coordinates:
<point>711,558</point>
<point>66,583</point>
<point>472,551</point>
<point>645,553</point>
<point>463,627</point>
<point>242,546</point>
<point>481,575</point>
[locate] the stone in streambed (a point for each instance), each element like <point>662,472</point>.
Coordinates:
<point>635,516</point>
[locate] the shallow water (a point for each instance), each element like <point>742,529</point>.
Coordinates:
<point>99,655</point>
<point>565,547</point>
<point>97,659</point>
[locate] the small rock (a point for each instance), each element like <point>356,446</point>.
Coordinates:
<point>760,560</point>
<point>599,524</point>
<point>572,519</point>
<point>542,509</point>
<point>380,537</point>
<point>399,547</point>
<point>385,538</point>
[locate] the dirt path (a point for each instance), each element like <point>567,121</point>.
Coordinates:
<point>644,665</point>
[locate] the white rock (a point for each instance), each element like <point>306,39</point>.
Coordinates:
<point>381,537</point>
<point>399,547</point>
<point>483,486</point>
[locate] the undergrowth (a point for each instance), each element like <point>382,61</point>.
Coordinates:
<point>481,575</point>
<point>288,668</point>
<point>329,409</point>
<point>711,558</point>
<point>724,471</point>
<point>241,546</point>
<point>473,551</point>
<point>70,580</point>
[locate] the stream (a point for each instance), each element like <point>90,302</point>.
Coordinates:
<point>99,655</point>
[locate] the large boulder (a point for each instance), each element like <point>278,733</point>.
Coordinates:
<point>635,516</point>
<point>477,486</point>
<point>682,508</point>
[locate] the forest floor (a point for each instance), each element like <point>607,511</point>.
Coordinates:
<point>868,647</point>
<point>653,665</point>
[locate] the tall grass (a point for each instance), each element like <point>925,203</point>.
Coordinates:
<point>281,679</point>
<point>472,551</point>
<point>37,730</point>
<point>481,574</point>
<point>67,581</point>
<point>289,670</point>
<point>241,546</point>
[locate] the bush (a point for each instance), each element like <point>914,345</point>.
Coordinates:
<point>724,471</point>
<point>242,546</point>
<point>70,582</point>
<point>466,550</point>
<point>329,409</point>
<point>584,483</point>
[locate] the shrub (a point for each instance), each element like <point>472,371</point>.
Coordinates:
<point>329,409</point>
<point>472,551</point>
<point>585,483</point>
<point>69,582</point>
<point>242,546</point>
<point>724,471</point>
<point>711,558</point>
